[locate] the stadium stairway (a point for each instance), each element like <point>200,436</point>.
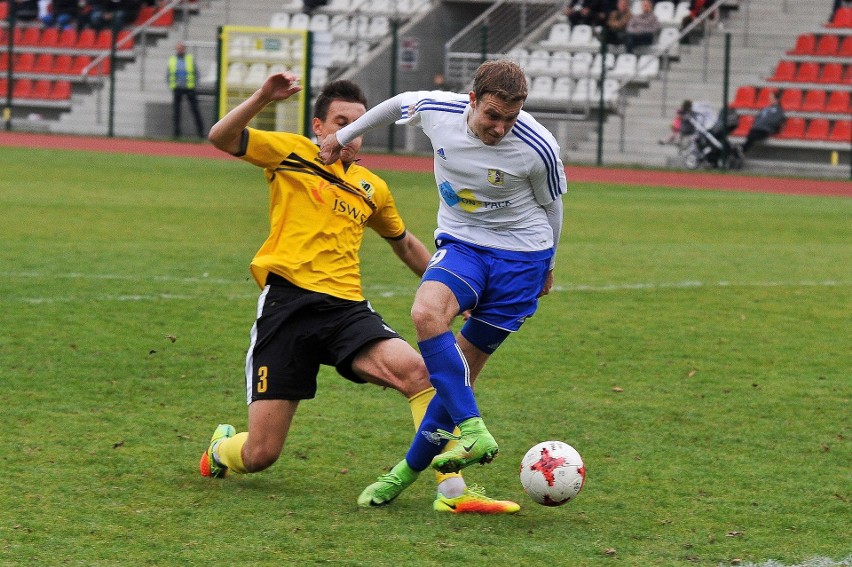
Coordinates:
<point>754,53</point>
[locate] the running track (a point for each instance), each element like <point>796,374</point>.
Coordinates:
<point>677,179</point>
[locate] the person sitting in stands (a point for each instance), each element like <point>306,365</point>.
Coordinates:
<point>642,28</point>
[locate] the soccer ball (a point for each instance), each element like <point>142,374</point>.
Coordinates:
<point>552,473</point>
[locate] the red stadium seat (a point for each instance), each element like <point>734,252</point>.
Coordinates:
<point>104,39</point>
<point>743,126</point>
<point>847,80</point>
<point>805,45</point>
<point>764,97</point>
<point>4,86</point>
<point>744,97</point>
<point>145,12</point>
<point>785,71</point>
<point>4,62</point>
<point>4,10</point>
<point>845,47</point>
<point>814,101</point>
<point>817,130</point>
<point>43,63</point>
<point>41,89</point>
<point>61,91</point>
<point>838,103</point>
<point>165,20</point>
<point>86,39</point>
<point>30,37</point>
<point>842,18</point>
<point>831,73</point>
<point>842,131</point>
<point>67,38</point>
<point>79,63</point>
<point>23,88</point>
<point>49,38</point>
<point>62,64</point>
<point>128,43</point>
<point>808,72</point>
<point>791,99</point>
<point>793,129</point>
<point>4,36</point>
<point>827,45</point>
<point>24,62</point>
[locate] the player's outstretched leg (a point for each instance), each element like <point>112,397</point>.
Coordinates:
<point>208,465</point>
<point>388,486</point>
<point>475,445</point>
<point>474,501</point>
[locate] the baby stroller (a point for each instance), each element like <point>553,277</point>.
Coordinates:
<point>708,137</point>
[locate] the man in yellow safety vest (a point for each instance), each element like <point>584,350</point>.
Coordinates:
<point>182,76</point>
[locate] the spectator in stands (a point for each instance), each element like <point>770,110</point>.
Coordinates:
<point>696,8</point>
<point>680,124</point>
<point>62,14</point>
<point>308,6</point>
<point>26,10</point>
<point>182,76</point>
<point>768,121</point>
<point>587,12</point>
<point>616,22</point>
<point>113,14</point>
<point>642,28</point>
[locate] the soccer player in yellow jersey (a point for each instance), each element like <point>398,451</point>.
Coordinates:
<point>311,310</point>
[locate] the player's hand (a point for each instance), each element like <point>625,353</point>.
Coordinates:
<point>280,86</point>
<point>548,284</point>
<point>330,149</point>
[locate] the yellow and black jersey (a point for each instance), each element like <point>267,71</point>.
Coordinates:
<point>317,214</point>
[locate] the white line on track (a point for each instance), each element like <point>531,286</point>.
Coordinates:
<point>377,290</point>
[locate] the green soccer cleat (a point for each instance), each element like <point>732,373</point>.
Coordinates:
<point>474,501</point>
<point>475,445</point>
<point>208,465</point>
<point>388,486</point>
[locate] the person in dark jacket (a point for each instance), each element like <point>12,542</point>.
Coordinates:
<point>767,122</point>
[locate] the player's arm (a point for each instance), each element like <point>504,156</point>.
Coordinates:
<point>383,114</point>
<point>227,133</point>
<point>411,251</point>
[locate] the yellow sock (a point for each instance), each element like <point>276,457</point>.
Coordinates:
<point>230,452</point>
<point>418,404</point>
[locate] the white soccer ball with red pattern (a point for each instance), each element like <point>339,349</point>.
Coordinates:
<point>552,473</point>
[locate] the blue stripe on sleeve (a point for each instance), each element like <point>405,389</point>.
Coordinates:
<point>545,151</point>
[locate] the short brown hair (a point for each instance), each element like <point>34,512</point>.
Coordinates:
<point>503,78</point>
<point>344,90</point>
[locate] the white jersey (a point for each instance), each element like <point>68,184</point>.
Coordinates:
<point>491,196</point>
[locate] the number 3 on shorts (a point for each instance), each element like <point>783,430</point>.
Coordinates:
<point>262,373</point>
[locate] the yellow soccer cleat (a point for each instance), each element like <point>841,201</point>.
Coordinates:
<point>474,501</point>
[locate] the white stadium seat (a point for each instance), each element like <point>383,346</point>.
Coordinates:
<point>540,89</point>
<point>583,37</point>
<point>560,63</point>
<point>538,63</point>
<point>665,12</point>
<point>648,67</point>
<point>562,88</point>
<point>519,55</point>
<point>625,67</point>
<point>280,20</point>
<point>559,36</point>
<point>580,63</point>
<point>668,37</point>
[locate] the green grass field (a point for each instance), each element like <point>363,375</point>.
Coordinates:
<point>696,351</point>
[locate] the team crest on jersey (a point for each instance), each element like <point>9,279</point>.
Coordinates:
<point>368,188</point>
<point>442,154</point>
<point>496,177</point>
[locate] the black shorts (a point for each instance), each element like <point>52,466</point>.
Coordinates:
<point>296,331</point>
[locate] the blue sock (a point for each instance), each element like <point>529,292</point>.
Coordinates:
<point>426,445</point>
<point>450,376</point>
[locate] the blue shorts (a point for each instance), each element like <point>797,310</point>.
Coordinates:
<point>499,287</point>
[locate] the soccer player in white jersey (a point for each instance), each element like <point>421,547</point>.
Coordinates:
<point>500,182</point>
